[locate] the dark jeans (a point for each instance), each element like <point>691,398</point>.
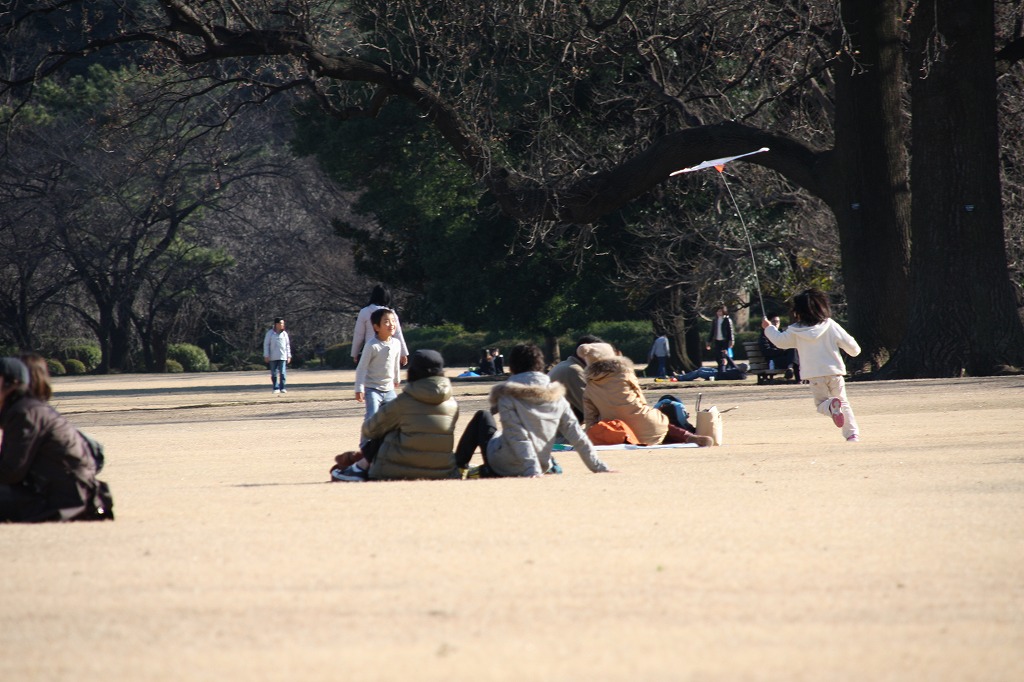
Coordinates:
<point>370,448</point>
<point>783,357</point>
<point>478,434</point>
<point>722,355</point>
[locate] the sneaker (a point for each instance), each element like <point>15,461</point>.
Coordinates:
<point>835,407</point>
<point>284,390</point>
<point>351,474</point>
<point>276,391</point>
<point>853,439</point>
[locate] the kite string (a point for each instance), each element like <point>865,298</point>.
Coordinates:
<point>753,261</point>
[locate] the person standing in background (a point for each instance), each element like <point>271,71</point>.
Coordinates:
<point>721,338</point>
<point>277,353</point>
<point>659,354</point>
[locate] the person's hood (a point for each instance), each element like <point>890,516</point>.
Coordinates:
<point>593,352</point>
<point>530,387</point>
<point>431,390</point>
<point>616,366</point>
<point>810,332</point>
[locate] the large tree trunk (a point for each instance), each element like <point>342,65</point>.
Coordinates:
<point>963,315</point>
<point>870,193</point>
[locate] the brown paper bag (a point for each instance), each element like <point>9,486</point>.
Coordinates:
<point>709,423</point>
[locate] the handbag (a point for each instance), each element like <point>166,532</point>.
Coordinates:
<point>709,422</point>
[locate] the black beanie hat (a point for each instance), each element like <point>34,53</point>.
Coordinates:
<point>425,363</point>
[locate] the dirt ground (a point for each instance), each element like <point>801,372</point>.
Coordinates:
<point>786,554</point>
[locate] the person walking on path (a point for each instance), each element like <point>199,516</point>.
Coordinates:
<point>818,339</point>
<point>277,353</point>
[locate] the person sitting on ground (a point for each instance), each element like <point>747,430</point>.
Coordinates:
<point>533,412</point>
<point>47,472</point>
<point>783,358</point>
<point>569,373</point>
<point>410,437</point>
<point>613,392</point>
<point>486,368</point>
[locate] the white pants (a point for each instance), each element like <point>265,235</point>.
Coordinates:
<point>824,389</point>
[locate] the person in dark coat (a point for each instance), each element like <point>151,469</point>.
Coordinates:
<point>47,471</point>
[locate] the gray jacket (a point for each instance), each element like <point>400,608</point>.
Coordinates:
<point>533,412</point>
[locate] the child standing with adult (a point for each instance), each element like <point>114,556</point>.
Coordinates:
<point>378,372</point>
<point>818,339</point>
<point>380,297</point>
<point>533,412</point>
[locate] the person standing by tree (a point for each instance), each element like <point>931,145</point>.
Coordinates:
<point>277,353</point>
<point>721,337</point>
<point>659,354</point>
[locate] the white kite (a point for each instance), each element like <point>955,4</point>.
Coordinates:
<point>717,164</point>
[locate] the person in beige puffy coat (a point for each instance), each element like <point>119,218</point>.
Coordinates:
<point>613,392</point>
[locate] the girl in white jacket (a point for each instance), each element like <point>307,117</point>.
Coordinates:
<point>818,339</point>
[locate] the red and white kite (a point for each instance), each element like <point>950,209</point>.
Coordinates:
<point>717,164</point>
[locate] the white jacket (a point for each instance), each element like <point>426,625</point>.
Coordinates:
<point>363,333</point>
<point>277,346</point>
<point>818,347</point>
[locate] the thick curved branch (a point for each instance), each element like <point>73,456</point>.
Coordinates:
<point>579,202</point>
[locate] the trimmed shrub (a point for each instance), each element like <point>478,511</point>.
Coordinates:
<point>174,367</point>
<point>55,367</point>
<point>86,353</point>
<point>337,355</point>
<point>191,358</point>
<point>74,367</point>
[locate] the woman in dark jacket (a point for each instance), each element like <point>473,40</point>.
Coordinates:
<point>47,472</point>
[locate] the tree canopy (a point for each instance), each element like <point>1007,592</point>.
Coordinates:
<point>568,113</point>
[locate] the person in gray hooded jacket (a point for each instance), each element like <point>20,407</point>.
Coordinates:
<point>533,411</point>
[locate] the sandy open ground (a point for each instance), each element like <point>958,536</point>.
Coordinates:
<point>786,554</point>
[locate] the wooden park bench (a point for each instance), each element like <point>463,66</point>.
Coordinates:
<point>759,365</point>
